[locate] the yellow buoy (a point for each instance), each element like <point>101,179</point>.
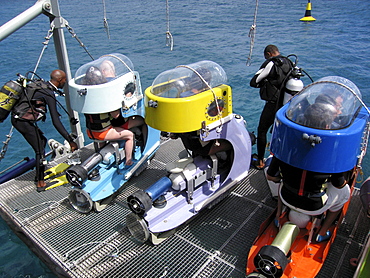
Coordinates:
<point>307,16</point>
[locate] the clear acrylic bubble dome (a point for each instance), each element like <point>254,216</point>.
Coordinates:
<point>186,80</point>
<point>103,70</point>
<point>331,102</point>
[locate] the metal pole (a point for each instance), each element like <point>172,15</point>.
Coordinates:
<point>51,9</point>
<point>22,19</point>
<point>63,62</point>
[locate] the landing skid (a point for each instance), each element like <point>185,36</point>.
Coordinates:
<point>102,204</point>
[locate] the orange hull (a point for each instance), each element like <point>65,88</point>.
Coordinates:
<point>305,258</point>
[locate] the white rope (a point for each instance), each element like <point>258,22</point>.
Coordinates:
<point>106,26</point>
<point>114,255</point>
<point>252,34</point>
<point>53,205</point>
<point>169,37</point>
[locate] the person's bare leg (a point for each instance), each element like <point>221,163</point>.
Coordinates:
<point>278,212</point>
<point>139,122</point>
<point>128,151</point>
<point>118,133</point>
<point>329,219</point>
<point>279,208</point>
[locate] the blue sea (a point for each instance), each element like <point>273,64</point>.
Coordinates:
<point>337,43</point>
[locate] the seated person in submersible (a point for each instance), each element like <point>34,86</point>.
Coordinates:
<point>308,192</point>
<point>110,126</point>
<point>199,82</point>
<point>108,70</point>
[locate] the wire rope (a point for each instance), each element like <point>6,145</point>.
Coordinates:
<point>106,25</point>
<point>45,43</point>
<point>252,34</point>
<point>6,143</point>
<point>74,35</point>
<point>169,37</point>
<point>114,255</point>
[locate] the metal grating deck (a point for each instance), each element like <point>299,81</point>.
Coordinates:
<point>214,244</point>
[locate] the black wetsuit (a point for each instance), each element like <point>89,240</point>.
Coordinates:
<point>271,91</point>
<point>29,129</point>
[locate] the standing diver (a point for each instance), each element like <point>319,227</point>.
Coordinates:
<point>270,79</point>
<point>33,108</point>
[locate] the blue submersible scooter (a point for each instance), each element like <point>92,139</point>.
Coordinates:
<point>334,142</point>
<point>98,88</point>
<point>191,102</point>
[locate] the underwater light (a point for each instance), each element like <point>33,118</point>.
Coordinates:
<point>80,200</point>
<point>137,227</point>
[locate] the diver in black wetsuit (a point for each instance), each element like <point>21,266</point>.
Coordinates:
<point>269,79</point>
<point>25,121</point>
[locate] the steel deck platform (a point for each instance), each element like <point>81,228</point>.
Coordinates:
<point>215,243</point>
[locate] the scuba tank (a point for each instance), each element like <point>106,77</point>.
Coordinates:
<point>292,87</point>
<point>10,94</point>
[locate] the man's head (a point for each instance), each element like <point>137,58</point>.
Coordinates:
<point>94,76</point>
<point>332,98</point>
<point>271,51</point>
<point>58,78</point>
<point>107,68</point>
<point>320,115</point>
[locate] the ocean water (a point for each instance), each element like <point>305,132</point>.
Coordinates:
<point>335,44</point>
